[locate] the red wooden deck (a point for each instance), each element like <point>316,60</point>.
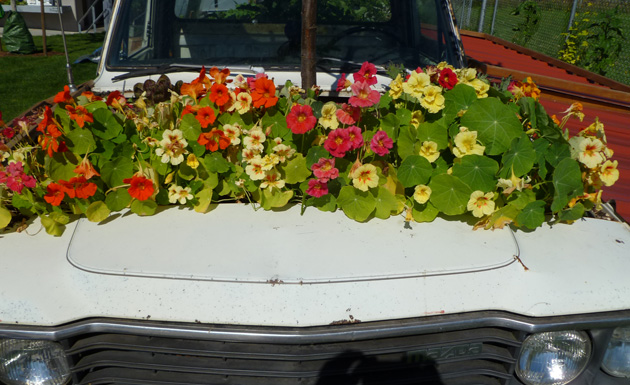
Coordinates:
<point>561,84</point>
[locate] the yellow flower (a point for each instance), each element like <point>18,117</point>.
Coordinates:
<point>433,99</point>
<point>365,177</point>
<point>422,194</point>
<point>429,150</point>
<point>481,88</point>
<point>416,84</point>
<point>329,118</point>
<point>269,161</point>
<point>466,75</point>
<point>192,161</point>
<point>396,87</point>
<point>608,173</point>
<point>481,204</point>
<point>417,117</point>
<point>466,143</point>
<point>587,150</point>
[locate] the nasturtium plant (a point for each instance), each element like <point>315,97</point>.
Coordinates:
<point>433,142</point>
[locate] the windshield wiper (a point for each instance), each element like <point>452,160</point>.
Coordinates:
<point>177,67</point>
<point>345,65</point>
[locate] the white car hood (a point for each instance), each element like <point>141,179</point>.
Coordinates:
<point>229,267</point>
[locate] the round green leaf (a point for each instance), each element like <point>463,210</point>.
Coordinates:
<point>386,203</point>
<point>314,154</point>
<point>567,182</point>
<point>495,123</point>
<point>356,204</point>
<point>414,170</point>
<point>59,168</point>
<point>449,194</point>
<point>573,214</point>
<point>118,199</point>
<point>53,227</point>
<point>519,159</point>
<point>204,196</point>
<point>191,128</point>
<point>477,171</point>
<point>97,211</point>
<point>5,217</point>
<point>558,151</point>
<point>434,132</point>
<point>105,125</point>
<point>295,171</point>
<point>424,213</point>
<point>390,124</point>
<point>532,215</point>
<point>275,198</point>
<point>216,163</point>
<point>460,98</point>
<point>80,141</point>
<point>143,208</point>
<point>113,172</point>
<point>406,141</point>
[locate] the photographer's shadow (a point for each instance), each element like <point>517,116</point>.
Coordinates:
<point>355,368</point>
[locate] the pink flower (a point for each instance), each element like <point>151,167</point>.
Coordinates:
<point>356,139</point>
<point>381,143</point>
<point>317,188</point>
<point>447,79</point>
<point>363,95</point>
<point>300,119</point>
<point>348,114</point>
<point>338,143</point>
<point>366,74</point>
<point>343,83</point>
<point>16,179</point>
<point>324,170</point>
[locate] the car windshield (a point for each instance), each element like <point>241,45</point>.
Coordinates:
<point>267,33</point>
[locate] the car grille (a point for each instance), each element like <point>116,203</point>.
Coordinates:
<point>473,356</point>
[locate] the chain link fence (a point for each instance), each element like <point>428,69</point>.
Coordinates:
<point>598,29</point>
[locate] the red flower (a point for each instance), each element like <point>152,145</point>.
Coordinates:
<point>205,116</point>
<point>338,143</point>
<point>381,143</point>
<point>356,139</point>
<point>363,95</point>
<point>140,187</point>
<point>447,79</point>
<point>343,83</point>
<point>348,114</point>
<point>317,188</point>
<point>80,115</point>
<point>366,74</point>
<point>219,94</point>
<point>301,119</point>
<point>264,93</point>
<point>324,170</point>
<point>55,194</point>
<point>63,96</point>
<point>214,140</point>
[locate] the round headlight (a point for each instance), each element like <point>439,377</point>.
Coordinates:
<point>553,358</point>
<point>617,358</point>
<point>32,362</point>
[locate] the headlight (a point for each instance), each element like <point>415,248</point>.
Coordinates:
<point>617,358</point>
<point>32,362</point>
<point>553,358</point>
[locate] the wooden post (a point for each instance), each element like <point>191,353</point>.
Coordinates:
<point>41,2</point>
<point>309,40</point>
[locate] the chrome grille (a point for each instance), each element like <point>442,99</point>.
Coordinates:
<point>475,356</point>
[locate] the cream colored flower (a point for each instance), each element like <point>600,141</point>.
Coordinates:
<point>242,103</point>
<point>172,147</point>
<point>329,118</point>
<point>365,177</point>
<point>255,140</point>
<point>416,84</point>
<point>587,150</point>
<point>466,143</point>
<point>481,204</point>
<point>429,150</point>
<point>233,132</point>
<point>255,169</point>
<point>396,87</point>
<point>179,194</point>
<point>272,179</point>
<point>422,194</point>
<point>284,152</point>
<point>269,161</point>
<point>608,173</point>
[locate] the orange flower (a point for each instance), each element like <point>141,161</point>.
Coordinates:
<point>220,77</point>
<point>90,96</point>
<point>82,188</point>
<point>46,120</point>
<point>219,94</point>
<point>55,194</point>
<point>116,100</point>
<point>214,140</point>
<point>194,90</point>
<point>63,96</point>
<point>86,169</point>
<point>80,115</point>
<point>189,109</point>
<point>50,143</point>
<point>68,188</point>
<point>206,116</point>
<point>264,93</point>
<point>140,187</point>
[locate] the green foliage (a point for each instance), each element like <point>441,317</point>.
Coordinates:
<point>525,30</point>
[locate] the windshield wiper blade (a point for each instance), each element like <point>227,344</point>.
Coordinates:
<point>177,67</point>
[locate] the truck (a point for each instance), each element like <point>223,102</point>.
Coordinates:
<point>238,296</point>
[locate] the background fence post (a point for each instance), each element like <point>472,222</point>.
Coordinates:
<point>482,16</point>
<point>573,8</point>
<point>494,16</point>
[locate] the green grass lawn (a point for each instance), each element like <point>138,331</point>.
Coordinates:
<point>28,79</point>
